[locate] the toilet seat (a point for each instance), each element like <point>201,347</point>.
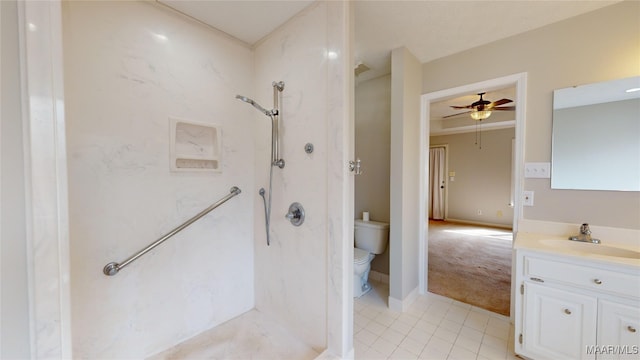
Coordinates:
<point>360,257</point>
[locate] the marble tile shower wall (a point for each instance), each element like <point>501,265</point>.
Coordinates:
<point>291,274</point>
<point>129,66</point>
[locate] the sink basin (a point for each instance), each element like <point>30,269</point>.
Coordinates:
<point>589,248</point>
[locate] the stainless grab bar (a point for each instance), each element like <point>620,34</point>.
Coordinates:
<point>112,268</point>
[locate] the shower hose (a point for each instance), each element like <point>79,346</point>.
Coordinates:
<point>267,208</point>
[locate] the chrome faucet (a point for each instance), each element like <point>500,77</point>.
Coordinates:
<point>585,235</point>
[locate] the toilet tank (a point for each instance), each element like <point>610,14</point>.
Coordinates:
<point>371,236</point>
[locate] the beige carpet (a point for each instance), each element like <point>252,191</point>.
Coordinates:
<point>471,264</point>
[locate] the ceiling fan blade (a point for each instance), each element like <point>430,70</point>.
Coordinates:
<point>507,108</point>
<point>462,107</point>
<point>498,103</point>
<point>448,116</point>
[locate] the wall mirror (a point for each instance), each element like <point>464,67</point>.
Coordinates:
<point>596,136</point>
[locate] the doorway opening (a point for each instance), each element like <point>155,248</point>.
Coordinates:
<point>470,248</point>
<point>518,81</point>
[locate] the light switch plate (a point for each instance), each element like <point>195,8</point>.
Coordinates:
<point>537,170</point>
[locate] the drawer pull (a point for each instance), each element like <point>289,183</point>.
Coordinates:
<point>631,329</point>
<point>597,281</point>
<point>567,311</point>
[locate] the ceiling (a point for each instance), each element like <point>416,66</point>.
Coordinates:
<point>435,29</point>
<point>429,29</point>
<point>248,21</point>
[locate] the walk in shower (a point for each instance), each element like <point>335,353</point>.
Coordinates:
<point>129,69</point>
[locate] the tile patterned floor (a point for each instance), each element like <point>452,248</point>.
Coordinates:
<point>434,327</point>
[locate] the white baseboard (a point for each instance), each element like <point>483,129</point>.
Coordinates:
<point>379,277</point>
<point>326,355</point>
<point>403,305</point>
<point>502,226</point>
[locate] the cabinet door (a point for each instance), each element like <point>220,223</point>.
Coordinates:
<point>618,330</point>
<point>558,324</point>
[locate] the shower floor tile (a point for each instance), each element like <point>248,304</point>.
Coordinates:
<point>249,336</point>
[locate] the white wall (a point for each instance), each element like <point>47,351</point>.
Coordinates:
<point>557,56</point>
<point>122,82</point>
<point>15,341</point>
<point>292,275</point>
<point>373,147</point>
<point>483,176</point>
<point>405,154</point>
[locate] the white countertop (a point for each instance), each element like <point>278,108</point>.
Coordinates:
<point>543,243</point>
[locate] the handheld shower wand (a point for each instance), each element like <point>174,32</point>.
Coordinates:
<point>274,114</point>
<point>255,105</point>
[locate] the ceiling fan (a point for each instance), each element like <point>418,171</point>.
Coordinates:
<point>482,108</point>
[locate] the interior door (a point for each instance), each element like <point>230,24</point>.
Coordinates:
<point>436,183</point>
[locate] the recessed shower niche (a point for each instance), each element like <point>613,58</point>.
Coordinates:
<point>195,146</point>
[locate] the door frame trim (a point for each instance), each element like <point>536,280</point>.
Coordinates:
<point>518,80</point>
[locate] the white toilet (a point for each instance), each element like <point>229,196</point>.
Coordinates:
<point>371,238</point>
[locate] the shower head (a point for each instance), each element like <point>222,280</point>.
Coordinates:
<point>255,105</point>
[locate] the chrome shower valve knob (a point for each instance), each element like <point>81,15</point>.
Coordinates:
<point>295,214</point>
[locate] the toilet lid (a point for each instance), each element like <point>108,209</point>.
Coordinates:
<point>360,256</point>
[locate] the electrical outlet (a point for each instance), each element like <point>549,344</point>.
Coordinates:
<point>479,212</point>
<point>527,197</point>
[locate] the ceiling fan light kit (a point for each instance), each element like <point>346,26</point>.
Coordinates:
<point>480,114</point>
<point>482,108</point>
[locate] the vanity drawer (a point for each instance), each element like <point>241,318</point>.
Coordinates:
<point>582,276</point>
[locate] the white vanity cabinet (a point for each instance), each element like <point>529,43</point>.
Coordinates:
<point>557,323</point>
<point>572,308</point>
<point>619,324</point>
